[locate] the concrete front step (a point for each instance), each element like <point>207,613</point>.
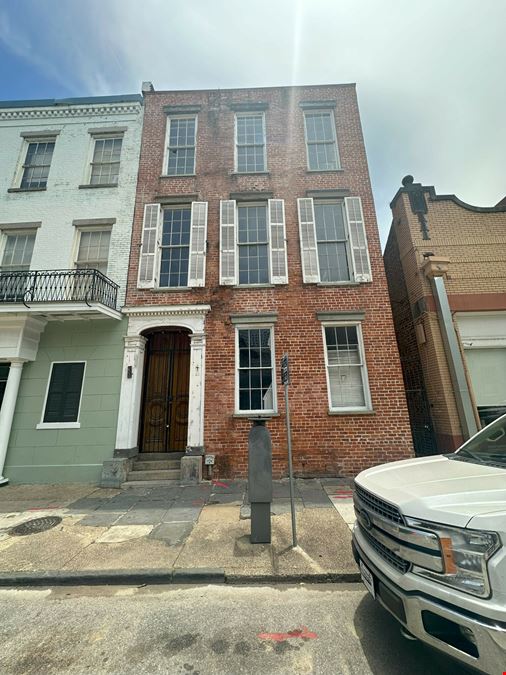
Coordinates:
<point>156,465</point>
<point>167,474</point>
<point>147,456</point>
<point>148,483</point>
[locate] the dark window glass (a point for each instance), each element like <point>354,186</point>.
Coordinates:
<point>37,163</point>
<point>250,143</point>
<point>331,238</point>
<point>64,394</point>
<point>321,142</point>
<point>253,243</point>
<point>255,369</point>
<point>181,150</point>
<point>175,247</point>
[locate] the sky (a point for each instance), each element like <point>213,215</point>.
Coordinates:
<point>430,74</point>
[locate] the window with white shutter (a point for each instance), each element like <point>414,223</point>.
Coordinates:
<point>198,243</point>
<point>150,243</point>
<point>333,241</point>
<point>358,239</point>
<point>253,243</point>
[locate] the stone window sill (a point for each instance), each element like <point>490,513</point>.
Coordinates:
<point>250,173</point>
<point>178,175</point>
<point>171,289</point>
<point>338,283</point>
<point>38,189</point>
<point>351,412</point>
<point>253,286</point>
<point>249,415</point>
<point>58,425</point>
<point>324,170</point>
<point>102,185</point>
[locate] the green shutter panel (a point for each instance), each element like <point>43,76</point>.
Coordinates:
<point>64,394</point>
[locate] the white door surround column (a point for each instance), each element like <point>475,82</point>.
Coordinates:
<point>141,319</point>
<point>7,411</point>
<point>196,398</point>
<point>131,393</point>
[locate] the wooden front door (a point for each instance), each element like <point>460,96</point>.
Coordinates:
<point>164,422</point>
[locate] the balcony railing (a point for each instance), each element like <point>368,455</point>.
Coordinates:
<point>49,286</point>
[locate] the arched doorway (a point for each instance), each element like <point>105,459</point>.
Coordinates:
<point>166,387</point>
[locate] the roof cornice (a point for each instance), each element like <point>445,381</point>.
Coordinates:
<point>70,111</point>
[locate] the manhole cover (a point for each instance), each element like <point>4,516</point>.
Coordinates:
<point>35,525</point>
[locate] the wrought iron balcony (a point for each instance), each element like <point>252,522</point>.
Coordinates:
<point>57,286</point>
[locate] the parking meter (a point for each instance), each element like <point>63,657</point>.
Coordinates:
<point>260,481</point>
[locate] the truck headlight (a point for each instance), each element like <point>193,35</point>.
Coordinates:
<point>465,555</point>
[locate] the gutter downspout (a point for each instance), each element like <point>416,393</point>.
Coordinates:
<point>435,268</point>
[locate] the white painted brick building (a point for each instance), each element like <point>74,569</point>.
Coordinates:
<point>68,174</point>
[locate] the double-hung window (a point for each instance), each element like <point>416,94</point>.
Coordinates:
<point>63,396</point>
<point>250,142</point>
<point>174,246</point>
<point>255,373</point>
<point>93,250</point>
<point>181,140</point>
<point>39,153</point>
<point>15,259</point>
<point>106,160</point>
<point>253,243</point>
<point>347,382</point>
<point>17,250</point>
<point>333,241</point>
<point>321,143</point>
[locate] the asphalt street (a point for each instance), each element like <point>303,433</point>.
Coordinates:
<point>206,630</point>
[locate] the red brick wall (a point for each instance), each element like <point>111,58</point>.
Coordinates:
<point>323,444</point>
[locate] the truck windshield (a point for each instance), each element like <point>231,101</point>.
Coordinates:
<point>489,446</point>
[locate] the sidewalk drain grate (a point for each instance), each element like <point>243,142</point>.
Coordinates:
<point>36,525</point>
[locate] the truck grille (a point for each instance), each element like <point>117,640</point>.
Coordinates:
<point>388,555</point>
<point>379,506</point>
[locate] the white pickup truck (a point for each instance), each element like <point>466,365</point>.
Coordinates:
<point>430,541</point>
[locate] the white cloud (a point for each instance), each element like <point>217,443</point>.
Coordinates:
<point>429,75</point>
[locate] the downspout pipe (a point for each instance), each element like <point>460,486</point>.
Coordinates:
<point>454,358</point>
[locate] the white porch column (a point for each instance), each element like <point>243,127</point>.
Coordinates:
<point>196,402</point>
<point>7,411</point>
<point>130,395</point>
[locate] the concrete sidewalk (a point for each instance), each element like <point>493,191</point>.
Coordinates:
<point>173,533</point>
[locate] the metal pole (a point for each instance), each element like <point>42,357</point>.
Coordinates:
<point>290,468</point>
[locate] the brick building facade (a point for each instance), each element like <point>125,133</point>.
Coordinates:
<point>230,182</point>
<point>446,268</point>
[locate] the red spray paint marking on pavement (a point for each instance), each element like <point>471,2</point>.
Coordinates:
<point>303,633</point>
<point>218,484</point>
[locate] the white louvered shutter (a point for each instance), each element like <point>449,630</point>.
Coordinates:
<point>228,253</point>
<point>150,244</point>
<point>279,265</point>
<point>198,242</point>
<point>308,247</point>
<point>358,239</point>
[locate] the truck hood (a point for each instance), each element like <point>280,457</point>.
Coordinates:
<point>438,489</point>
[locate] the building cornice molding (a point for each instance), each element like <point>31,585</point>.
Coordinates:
<point>167,310</point>
<point>70,111</point>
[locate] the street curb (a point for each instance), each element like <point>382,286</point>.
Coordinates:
<point>138,577</point>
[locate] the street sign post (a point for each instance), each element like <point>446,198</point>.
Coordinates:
<point>285,380</point>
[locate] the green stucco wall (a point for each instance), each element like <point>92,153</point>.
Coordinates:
<point>69,455</point>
